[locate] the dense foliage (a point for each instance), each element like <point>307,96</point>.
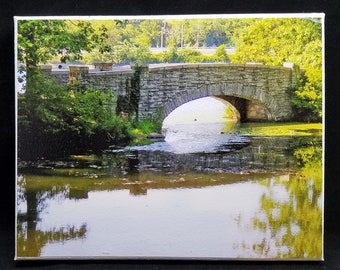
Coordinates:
<point>41,40</point>
<point>175,55</point>
<point>275,41</point>
<point>130,40</point>
<point>54,120</point>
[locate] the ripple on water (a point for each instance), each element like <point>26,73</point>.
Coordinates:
<point>196,138</point>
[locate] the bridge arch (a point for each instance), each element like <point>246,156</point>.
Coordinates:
<point>201,109</point>
<point>249,105</point>
<point>258,92</point>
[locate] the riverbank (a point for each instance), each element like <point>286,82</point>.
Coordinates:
<point>280,129</point>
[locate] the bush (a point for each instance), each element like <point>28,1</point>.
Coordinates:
<point>307,95</point>
<point>221,54</point>
<point>54,120</point>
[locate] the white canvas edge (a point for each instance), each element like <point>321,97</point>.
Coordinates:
<point>318,15</point>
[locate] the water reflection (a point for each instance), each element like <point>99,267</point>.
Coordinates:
<point>289,223</point>
<point>197,138</point>
<point>262,200</point>
<point>31,203</point>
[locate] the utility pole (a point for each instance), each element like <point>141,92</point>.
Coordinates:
<point>162,34</point>
<point>182,34</point>
<point>197,36</point>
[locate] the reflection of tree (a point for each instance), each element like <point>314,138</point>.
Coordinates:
<point>292,224</point>
<point>29,239</point>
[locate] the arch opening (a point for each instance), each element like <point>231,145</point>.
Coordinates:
<point>238,109</point>
<point>201,125</point>
<point>209,109</point>
<point>249,110</point>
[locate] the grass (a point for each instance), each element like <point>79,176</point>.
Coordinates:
<point>281,129</point>
<point>143,129</point>
<point>84,157</point>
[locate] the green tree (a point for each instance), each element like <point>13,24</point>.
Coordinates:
<point>297,40</point>
<point>176,33</point>
<point>54,120</point>
<point>221,54</point>
<point>41,40</point>
<point>152,29</point>
<point>215,35</point>
<point>275,41</point>
<point>107,40</point>
<point>307,95</point>
<point>189,56</point>
<point>128,52</point>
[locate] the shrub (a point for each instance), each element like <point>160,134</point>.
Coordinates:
<point>54,120</point>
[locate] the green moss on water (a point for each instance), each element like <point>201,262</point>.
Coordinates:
<point>280,129</point>
<point>84,157</point>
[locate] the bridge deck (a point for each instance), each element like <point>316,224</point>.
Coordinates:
<point>61,68</point>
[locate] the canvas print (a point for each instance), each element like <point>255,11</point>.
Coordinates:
<point>170,137</point>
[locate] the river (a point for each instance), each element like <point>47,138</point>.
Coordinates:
<point>206,191</point>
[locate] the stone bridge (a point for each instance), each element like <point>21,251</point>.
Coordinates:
<point>256,92</point>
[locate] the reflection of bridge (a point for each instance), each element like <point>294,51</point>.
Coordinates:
<point>261,155</point>
<point>141,170</point>
<point>258,92</point>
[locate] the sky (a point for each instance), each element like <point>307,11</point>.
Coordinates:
<point>203,110</point>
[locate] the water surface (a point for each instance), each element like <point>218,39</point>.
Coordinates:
<point>211,194</point>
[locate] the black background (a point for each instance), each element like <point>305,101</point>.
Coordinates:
<point>11,8</point>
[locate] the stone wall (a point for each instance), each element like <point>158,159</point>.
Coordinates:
<point>116,81</point>
<point>99,80</point>
<point>61,77</point>
<point>266,88</point>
